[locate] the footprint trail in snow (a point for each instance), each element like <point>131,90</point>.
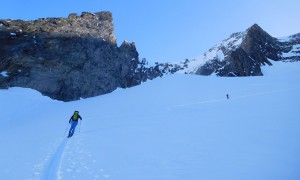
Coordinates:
<point>70,159</point>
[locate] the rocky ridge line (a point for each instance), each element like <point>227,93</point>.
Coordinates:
<point>243,53</point>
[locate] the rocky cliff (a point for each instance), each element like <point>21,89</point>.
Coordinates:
<point>66,58</point>
<point>243,53</point>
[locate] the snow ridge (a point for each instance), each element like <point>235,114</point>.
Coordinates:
<point>243,54</point>
<point>295,47</point>
<point>219,52</point>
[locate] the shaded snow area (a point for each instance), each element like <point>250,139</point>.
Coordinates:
<point>216,52</point>
<point>172,128</point>
<point>295,50</point>
<point>4,73</point>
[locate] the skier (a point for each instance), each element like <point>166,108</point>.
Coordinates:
<point>227,96</point>
<point>74,121</point>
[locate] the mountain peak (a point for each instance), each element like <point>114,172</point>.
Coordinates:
<point>243,53</point>
<point>255,27</point>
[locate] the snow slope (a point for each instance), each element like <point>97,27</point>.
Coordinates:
<point>216,52</point>
<point>172,128</point>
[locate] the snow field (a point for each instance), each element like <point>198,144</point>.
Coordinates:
<point>175,127</point>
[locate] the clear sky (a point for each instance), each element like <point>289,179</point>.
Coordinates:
<point>168,30</point>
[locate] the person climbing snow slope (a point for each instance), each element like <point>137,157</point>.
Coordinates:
<point>73,121</point>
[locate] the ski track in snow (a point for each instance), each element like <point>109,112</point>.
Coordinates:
<point>68,158</point>
<point>236,97</point>
<point>47,167</point>
<point>72,153</point>
<point>78,162</point>
<point>50,171</point>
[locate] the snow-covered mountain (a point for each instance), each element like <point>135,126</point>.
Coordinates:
<point>172,128</point>
<point>67,64</point>
<point>243,54</point>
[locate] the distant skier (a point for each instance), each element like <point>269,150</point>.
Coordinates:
<point>74,121</point>
<point>227,96</point>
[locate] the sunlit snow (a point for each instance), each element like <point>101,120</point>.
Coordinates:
<point>176,127</point>
<point>233,42</point>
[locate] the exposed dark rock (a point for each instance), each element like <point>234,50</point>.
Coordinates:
<point>66,58</point>
<point>245,52</point>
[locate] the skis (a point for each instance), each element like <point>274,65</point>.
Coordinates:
<point>70,135</point>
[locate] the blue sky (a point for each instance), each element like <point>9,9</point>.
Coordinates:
<point>171,30</point>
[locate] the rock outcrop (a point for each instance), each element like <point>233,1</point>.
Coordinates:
<point>242,54</point>
<point>66,58</point>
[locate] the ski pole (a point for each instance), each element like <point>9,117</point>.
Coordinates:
<point>79,125</point>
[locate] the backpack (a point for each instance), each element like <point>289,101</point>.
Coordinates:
<point>75,116</point>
